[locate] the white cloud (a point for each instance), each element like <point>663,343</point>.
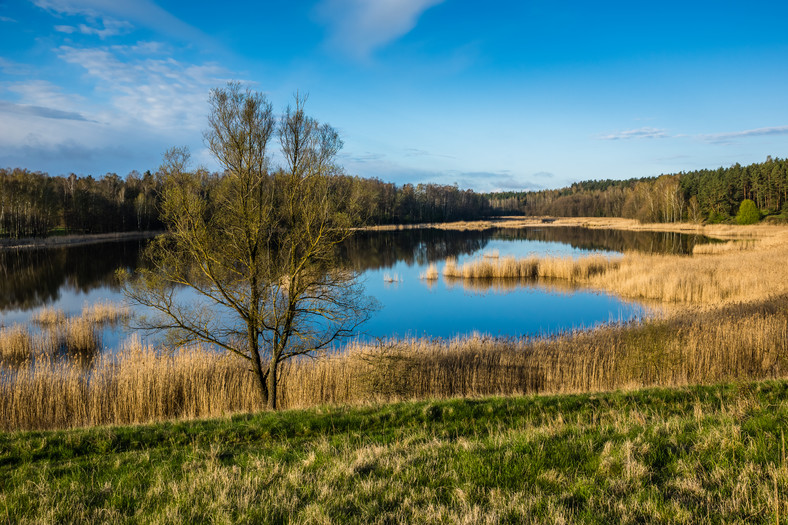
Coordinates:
<point>45,94</point>
<point>640,133</point>
<point>730,137</point>
<point>116,16</point>
<point>162,92</point>
<point>359,27</point>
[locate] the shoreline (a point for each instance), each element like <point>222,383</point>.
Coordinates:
<point>718,231</point>
<point>29,243</point>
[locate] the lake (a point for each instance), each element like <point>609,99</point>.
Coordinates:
<point>390,264</point>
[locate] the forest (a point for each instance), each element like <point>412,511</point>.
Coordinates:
<point>704,195</point>
<point>36,204</point>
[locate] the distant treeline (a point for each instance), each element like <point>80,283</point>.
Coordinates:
<point>703,195</point>
<point>37,204</point>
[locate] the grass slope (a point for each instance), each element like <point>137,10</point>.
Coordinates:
<point>700,454</point>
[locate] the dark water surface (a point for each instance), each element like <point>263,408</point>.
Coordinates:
<point>70,277</point>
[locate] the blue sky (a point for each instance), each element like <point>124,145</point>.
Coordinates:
<point>496,95</point>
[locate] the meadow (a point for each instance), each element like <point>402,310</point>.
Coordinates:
<point>712,454</point>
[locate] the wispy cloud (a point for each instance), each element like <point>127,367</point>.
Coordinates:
<point>359,27</point>
<point>488,181</point>
<point>116,17</point>
<point>39,111</point>
<point>640,133</point>
<point>159,91</point>
<point>417,152</point>
<point>111,27</point>
<point>7,19</point>
<point>14,68</point>
<point>720,138</point>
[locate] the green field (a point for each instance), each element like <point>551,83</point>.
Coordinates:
<point>689,455</point>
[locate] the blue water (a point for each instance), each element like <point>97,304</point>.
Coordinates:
<point>70,278</point>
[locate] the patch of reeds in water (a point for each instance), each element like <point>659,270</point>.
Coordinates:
<point>48,316</point>
<point>430,274</point>
<point>105,312</point>
<point>734,343</point>
<point>530,268</point>
<point>58,336</point>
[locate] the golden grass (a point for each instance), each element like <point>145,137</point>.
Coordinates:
<point>16,344</point>
<point>48,316</point>
<point>530,268</point>
<point>726,247</point>
<point>737,271</point>
<point>391,278</point>
<point>140,384</point>
<point>105,312</point>
<point>430,274</point>
<point>81,336</point>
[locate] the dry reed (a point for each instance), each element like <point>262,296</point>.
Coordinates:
<point>725,247</point>
<point>140,384</point>
<point>530,268</point>
<point>430,274</point>
<point>16,344</point>
<point>105,312</point>
<point>48,316</point>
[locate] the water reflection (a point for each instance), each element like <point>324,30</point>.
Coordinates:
<point>30,279</point>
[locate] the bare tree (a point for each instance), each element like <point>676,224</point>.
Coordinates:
<point>255,246</point>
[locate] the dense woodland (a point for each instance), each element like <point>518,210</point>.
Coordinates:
<point>704,195</point>
<point>37,204</point>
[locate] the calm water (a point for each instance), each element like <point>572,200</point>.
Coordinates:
<point>69,278</point>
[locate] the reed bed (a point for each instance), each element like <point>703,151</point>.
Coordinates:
<point>530,268</point>
<point>74,338</point>
<point>430,274</point>
<point>105,312</point>
<point>48,316</point>
<point>725,247</point>
<point>738,342</point>
<point>738,271</point>
<point>16,344</point>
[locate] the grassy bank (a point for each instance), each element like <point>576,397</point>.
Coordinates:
<point>737,342</point>
<point>689,455</point>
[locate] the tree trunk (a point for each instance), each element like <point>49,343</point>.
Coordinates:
<point>262,377</point>
<point>272,380</point>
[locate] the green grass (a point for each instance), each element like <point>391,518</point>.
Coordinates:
<point>701,454</point>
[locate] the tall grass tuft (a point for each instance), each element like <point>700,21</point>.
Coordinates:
<point>16,344</point>
<point>430,274</point>
<point>48,316</point>
<point>105,312</point>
